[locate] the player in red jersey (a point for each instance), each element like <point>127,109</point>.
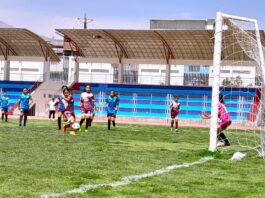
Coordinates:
<point>68,112</point>
<point>87,105</point>
<point>174,111</point>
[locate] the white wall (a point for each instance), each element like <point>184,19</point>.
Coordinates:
<point>247,74</point>
<point>156,74</point>
<point>92,72</point>
<point>23,70</point>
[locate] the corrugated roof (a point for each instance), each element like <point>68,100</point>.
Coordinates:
<point>16,42</point>
<point>149,44</point>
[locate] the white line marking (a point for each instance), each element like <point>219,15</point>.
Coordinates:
<point>127,180</point>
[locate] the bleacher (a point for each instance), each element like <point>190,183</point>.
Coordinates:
<point>14,90</point>
<point>154,101</point>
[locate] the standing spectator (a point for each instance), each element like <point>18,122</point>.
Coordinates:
<point>52,105</point>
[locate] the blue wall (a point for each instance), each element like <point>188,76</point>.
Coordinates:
<point>14,89</point>
<point>153,100</point>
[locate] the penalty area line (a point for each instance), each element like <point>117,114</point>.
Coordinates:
<point>127,180</point>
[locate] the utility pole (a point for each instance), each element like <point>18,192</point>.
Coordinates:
<point>85,21</point>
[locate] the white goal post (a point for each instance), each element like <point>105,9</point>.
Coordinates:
<point>257,56</point>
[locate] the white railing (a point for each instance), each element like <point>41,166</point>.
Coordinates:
<point>187,80</point>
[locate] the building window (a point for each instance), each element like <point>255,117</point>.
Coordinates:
<point>194,68</point>
<point>149,70</point>
<point>99,70</point>
<point>225,71</point>
<point>171,71</point>
<point>84,70</point>
<point>29,70</point>
<point>241,72</point>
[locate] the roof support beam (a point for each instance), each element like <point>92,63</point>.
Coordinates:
<point>46,50</point>
<point>8,48</point>
<point>117,43</point>
<point>168,51</point>
<point>74,47</point>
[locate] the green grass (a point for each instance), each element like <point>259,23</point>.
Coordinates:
<point>40,160</point>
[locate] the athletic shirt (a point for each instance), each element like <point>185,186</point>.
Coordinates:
<point>68,106</point>
<point>52,105</point>
<point>24,101</point>
<point>87,101</point>
<point>112,104</point>
<point>61,104</point>
<point>175,106</point>
<point>223,114</point>
<point>4,102</point>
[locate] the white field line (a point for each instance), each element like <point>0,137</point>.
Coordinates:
<point>127,180</point>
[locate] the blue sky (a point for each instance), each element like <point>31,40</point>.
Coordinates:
<point>43,16</point>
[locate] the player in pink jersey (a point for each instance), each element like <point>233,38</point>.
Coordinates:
<point>174,111</point>
<point>224,122</point>
<point>87,105</point>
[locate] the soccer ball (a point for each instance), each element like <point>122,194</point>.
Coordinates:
<point>75,126</point>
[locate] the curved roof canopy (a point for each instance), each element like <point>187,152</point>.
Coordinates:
<point>22,44</point>
<point>144,46</point>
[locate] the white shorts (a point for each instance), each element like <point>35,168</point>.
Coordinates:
<point>87,115</point>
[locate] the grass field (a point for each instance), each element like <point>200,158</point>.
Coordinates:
<point>40,160</point>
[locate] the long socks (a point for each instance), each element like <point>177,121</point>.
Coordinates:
<point>172,123</point>
<point>20,120</point>
<point>81,122</point>
<point>88,123</point>
<point>25,119</point>
<point>108,124</point>
<point>177,124</point>
<point>59,123</point>
<point>223,138</point>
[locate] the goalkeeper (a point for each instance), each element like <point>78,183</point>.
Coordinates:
<point>224,122</point>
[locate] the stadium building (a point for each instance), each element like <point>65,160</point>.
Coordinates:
<point>162,62</point>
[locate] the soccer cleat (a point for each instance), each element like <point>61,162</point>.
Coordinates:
<point>220,144</point>
<point>171,129</point>
<point>80,130</point>
<point>64,128</point>
<point>72,133</point>
<point>86,130</point>
<point>227,144</point>
<point>176,130</point>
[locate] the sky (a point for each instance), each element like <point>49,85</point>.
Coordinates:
<point>44,16</point>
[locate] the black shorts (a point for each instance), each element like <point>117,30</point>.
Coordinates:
<point>24,110</point>
<point>4,110</point>
<point>113,115</point>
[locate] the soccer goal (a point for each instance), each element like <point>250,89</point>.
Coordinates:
<point>237,44</point>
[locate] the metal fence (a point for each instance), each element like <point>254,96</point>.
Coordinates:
<point>181,80</point>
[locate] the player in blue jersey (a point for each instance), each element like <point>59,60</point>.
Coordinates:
<point>4,101</point>
<point>25,101</point>
<point>112,107</point>
<point>59,101</point>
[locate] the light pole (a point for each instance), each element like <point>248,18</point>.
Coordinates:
<point>85,21</point>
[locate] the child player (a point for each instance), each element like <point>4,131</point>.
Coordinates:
<point>224,123</point>
<point>87,105</point>
<point>69,117</point>
<point>174,111</point>
<point>59,100</point>
<point>4,100</point>
<point>112,107</point>
<point>68,112</point>
<point>25,101</point>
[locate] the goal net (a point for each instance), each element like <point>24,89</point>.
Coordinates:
<point>238,74</point>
